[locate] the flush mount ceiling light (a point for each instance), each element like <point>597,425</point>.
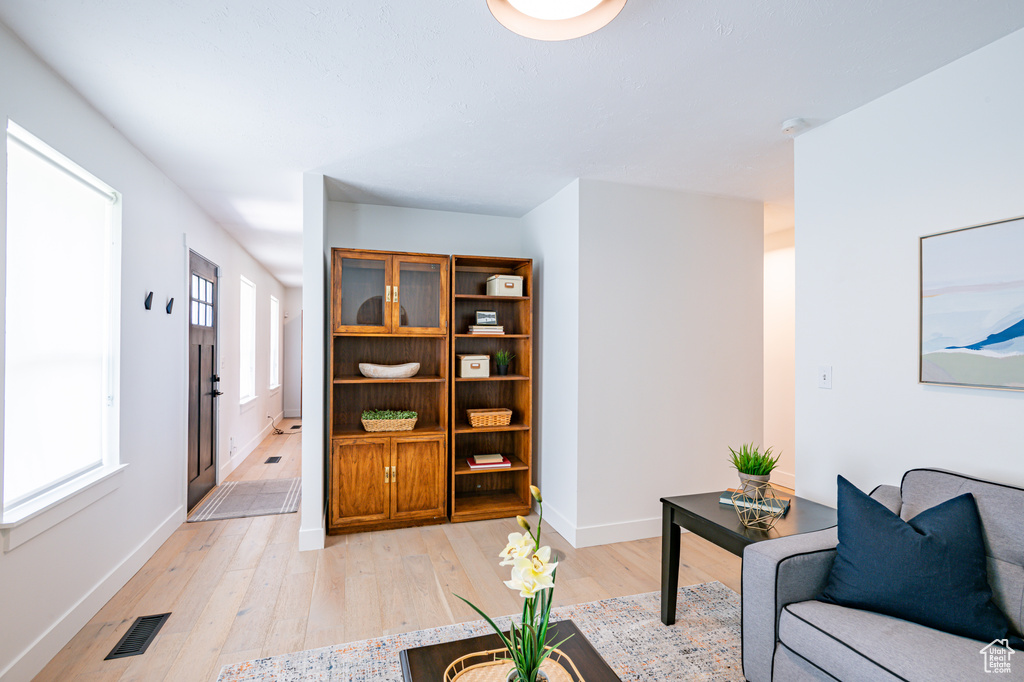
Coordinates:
<point>554,19</point>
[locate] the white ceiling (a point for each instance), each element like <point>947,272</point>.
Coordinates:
<point>431,103</point>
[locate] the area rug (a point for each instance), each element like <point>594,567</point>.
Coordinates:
<point>238,499</point>
<point>703,645</point>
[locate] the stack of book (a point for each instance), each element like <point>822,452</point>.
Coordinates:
<point>488,462</point>
<point>495,329</point>
<point>768,505</point>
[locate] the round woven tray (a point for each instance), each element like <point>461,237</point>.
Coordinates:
<point>493,666</point>
<point>389,424</point>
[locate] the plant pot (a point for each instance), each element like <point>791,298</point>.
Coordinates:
<point>513,676</point>
<point>502,370</point>
<point>750,484</point>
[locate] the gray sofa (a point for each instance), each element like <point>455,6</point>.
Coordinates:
<point>787,635</point>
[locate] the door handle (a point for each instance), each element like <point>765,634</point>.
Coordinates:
<point>387,294</point>
<point>395,294</point>
<point>393,477</point>
<point>217,393</point>
<point>387,474</point>
<point>215,379</point>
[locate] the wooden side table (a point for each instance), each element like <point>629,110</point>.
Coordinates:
<point>703,515</point>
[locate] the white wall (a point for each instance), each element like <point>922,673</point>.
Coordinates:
<point>56,581</point>
<point>779,353</point>
<point>314,345</point>
<point>389,228</point>
<point>291,367</point>
<point>670,369</point>
<point>551,236</point>
<point>940,153</point>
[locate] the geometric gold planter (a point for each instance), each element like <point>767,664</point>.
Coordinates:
<point>756,503</point>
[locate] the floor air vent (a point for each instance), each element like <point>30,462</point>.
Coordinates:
<point>139,636</point>
<point>297,426</point>
<point>272,460</point>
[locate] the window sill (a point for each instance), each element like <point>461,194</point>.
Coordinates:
<point>247,404</point>
<point>26,521</point>
<point>274,389</point>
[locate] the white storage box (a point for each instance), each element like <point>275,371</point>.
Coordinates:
<point>474,365</point>
<point>505,285</point>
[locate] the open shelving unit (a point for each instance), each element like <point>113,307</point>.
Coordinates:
<point>491,493</point>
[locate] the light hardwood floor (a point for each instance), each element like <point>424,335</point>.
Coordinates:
<point>240,589</point>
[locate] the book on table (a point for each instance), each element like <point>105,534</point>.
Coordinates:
<point>768,505</point>
<point>488,462</point>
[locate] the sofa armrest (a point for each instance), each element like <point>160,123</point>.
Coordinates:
<point>776,573</point>
<point>890,496</point>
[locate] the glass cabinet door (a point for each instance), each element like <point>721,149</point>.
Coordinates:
<point>419,295</point>
<point>362,292</point>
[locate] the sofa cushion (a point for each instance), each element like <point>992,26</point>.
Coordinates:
<point>931,570</point>
<point>851,644</point>
<point>1001,508</point>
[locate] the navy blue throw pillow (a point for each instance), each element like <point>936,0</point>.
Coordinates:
<point>930,570</point>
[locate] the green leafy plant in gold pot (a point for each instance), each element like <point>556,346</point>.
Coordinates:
<point>533,575</point>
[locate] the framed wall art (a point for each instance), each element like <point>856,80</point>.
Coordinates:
<point>972,306</point>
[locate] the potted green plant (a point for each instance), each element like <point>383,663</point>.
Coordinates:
<point>502,358</point>
<point>754,467</point>
<point>533,575</point>
<point>389,420</point>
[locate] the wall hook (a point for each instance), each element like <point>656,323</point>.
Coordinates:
<point>149,301</point>
<point>170,304</point>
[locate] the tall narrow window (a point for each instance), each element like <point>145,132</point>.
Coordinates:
<point>275,343</point>
<point>63,325</point>
<point>247,341</point>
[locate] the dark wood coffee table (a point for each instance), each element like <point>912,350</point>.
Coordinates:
<point>704,515</point>
<point>428,663</point>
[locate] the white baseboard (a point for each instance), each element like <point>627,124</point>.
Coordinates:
<point>232,463</point>
<point>313,538</point>
<point>784,478</point>
<point>35,657</point>
<point>589,536</point>
<point>293,414</point>
<point>561,524</point>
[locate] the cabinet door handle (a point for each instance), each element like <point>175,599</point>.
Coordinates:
<point>396,294</point>
<point>387,294</point>
<point>393,477</point>
<point>387,474</point>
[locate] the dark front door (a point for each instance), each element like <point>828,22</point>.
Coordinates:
<point>202,378</point>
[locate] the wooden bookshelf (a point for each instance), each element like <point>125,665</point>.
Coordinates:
<point>476,494</point>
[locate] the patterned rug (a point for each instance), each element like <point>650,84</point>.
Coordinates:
<point>239,499</point>
<point>704,643</point>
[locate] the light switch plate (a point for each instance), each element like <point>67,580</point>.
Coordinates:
<point>825,376</point>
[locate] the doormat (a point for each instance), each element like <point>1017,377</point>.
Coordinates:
<point>240,499</point>
<point>702,645</point>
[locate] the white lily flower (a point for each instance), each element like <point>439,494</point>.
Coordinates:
<point>520,546</point>
<point>531,575</point>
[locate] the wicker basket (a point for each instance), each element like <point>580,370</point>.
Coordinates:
<point>497,416</point>
<point>493,666</point>
<point>376,425</point>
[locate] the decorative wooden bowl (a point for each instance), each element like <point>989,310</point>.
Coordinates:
<point>405,371</point>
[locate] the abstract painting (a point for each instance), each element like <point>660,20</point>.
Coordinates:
<point>972,306</point>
